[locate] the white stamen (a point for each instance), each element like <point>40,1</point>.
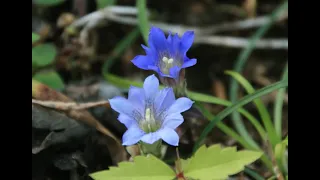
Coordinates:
<point>148,115</point>
<point>149,119</point>
<point>165,59</point>
<point>170,61</point>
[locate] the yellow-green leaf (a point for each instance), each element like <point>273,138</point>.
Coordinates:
<point>43,54</point>
<point>143,168</point>
<point>35,37</point>
<point>50,78</point>
<point>218,163</point>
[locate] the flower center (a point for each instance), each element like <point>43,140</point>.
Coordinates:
<point>149,124</point>
<point>166,65</point>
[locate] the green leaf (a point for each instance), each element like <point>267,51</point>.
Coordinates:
<point>285,141</point>
<point>143,168</point>
<point>237,105</point>
<point>43,54</point>
<point>104,3</point>
<point>48,2</point>
<point>264,114</point>
<point>50,78</point>
<point>217,163</point>
<point>35,37</point>
<point>230,132</point>
<point>143,19</point>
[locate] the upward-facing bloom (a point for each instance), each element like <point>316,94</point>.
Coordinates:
<point>166,56</point>
<point>150,114</point>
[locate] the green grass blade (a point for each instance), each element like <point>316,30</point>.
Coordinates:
<point>253,174</point>
<point>119,49</point>
<point>230,132</point>
<point>278,105</point>
<point>242,58</point>
<point>264,114</point>
<point>224,128</point>
<point>143,19</point>
<point>214,100</point>
<point>237,105</point>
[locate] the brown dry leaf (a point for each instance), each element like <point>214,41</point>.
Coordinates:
<point>44,93</point>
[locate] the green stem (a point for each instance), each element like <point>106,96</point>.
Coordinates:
<point>143,19</point>
<point>278,105</point>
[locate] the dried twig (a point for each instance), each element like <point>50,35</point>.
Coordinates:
<point>120,14</point>
<point>66,106</point>
<point>113,14</point>
<point>242,42</point>
<point>224,27</point>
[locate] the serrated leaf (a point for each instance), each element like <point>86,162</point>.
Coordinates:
<point>48,2</point>
<point>285,141</point>
<point>35,37</point>
<point>50,78</point>
<point>43,54</point>
<point>143,168</point>
<point>217,163</point>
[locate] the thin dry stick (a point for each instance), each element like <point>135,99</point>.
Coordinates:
<point>119,14</point>
<point>113,14</point>
<point>238,42</point>
<point>66,106</point>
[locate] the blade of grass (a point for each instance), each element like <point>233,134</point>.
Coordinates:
<point>237,105</point>
<point>143,19</point>
<point>224,128</point>
<point>264,114</point>
<point>230,132</point>
<point>214,100</point>
<point>278,105</point>
<point>242,58</point>
<point>119,49</point>
<point>124,83</point>
<point>253,174</point>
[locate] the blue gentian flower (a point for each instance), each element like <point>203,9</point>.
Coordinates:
<point>150,114</point>
<point>166,56</point>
